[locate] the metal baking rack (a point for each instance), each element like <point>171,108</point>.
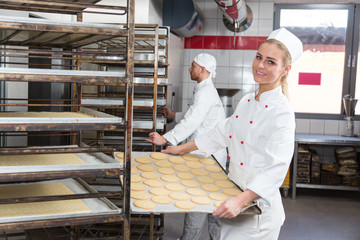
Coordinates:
<point>100,208</point>
<point>67,46</point>
<point>150,84</point>
<point>46,122</point>
<point>97,164</point>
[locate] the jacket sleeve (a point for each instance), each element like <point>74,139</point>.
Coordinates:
<point>278,154</point>
<point>193,118</point>
<point>214,140</point>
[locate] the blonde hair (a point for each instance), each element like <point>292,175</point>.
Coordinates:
<point>287,61</point>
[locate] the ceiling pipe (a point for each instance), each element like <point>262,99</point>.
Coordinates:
<point>237,15</point>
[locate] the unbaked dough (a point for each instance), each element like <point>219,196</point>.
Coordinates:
<point>41,159</point>
<point>39,208</point>
<point>162,199</point>
<point>194,165</point>
<point>139,195</point>
<point>207,161</point>
<point>162,163</point>
<point>150,175</point>
<point>144,204</point>
<point>179,196</point>
<point>195,192</point>
<point>146,167</point>
<point>143,160</point>
<point>166,170</point>
<point>201,200</point>
<point>181,168</point>
<point>158,156</point>
<point>185,175</point>
<point>176,160</point>
<point>191,157</point>
<point>185,205</point>
<point>153,183</point>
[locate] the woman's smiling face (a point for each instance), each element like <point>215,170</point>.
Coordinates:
<point>268,66</point>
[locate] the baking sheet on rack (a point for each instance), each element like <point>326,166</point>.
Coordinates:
<point>171,208</point>
<point>95,205</point>
<point>91,161</point>
<point>84,116</point>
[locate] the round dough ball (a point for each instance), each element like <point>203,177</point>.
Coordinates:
<point>166,170</point>
<point>190,183</point>
<point>194,165</point>
<point>150,175</point>
<point>218,196</point>
<point>159,191</point>
<point>179,196</point>
<point>218,176</point>
<point>191,157</point>
<point>210,187</point>
<point>139,195</point>
<point>162,163</point>
<point>181,168</point>
<point>205,179</point>
<point>207,161</point>
<point>143,160</point>
<point>170,178</point>
<point>185,175</point>
<point>195,192</point>
<point>158,156</point>
<point>185,205</point>
<point>146,168</point>
<point>176,160</point>
<point>162,199</point>
<point>174,187</point>
<point>144,204</point>
<point>201,200</point>
<point>137,187</point>
<point>212,168</point>
<point>225,184</point>
<point>153,183</point>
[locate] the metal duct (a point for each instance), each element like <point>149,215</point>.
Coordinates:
<point>182,17</point>
<point>237,15</point>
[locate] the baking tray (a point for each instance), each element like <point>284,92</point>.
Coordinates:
<point>54,75</point>
<point>252,209</point>
<point>96,163</point>
<point>137,102</point>
<point>96,120</point>
<point>98,206</point>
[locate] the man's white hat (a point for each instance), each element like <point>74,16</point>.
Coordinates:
<point>291,42</point>
<point>208,62</point>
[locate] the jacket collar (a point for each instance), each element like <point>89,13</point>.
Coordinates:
<point>271,94</point>
<point>203,83</point>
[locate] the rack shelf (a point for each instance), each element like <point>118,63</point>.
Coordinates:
<point>65,46</point>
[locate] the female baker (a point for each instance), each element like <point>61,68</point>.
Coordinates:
<point>260,139</point>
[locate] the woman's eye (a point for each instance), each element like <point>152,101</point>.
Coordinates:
<point>258,57</point>
<point>271,62</point>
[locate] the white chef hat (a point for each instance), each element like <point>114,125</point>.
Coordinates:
<point>291,42</point>
<point>208,62</point>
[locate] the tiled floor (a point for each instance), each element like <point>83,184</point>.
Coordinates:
<point>314,215</point>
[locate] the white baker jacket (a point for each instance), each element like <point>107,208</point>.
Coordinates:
<point>205,112</point>
<point>260,140</point>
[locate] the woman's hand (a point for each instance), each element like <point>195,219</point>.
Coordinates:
<point>229,208</point>
<point>233,206</point>
<point>156,139</point>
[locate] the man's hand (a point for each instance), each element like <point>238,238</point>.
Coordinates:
<point>156,139</point>
<point>167,112</point>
